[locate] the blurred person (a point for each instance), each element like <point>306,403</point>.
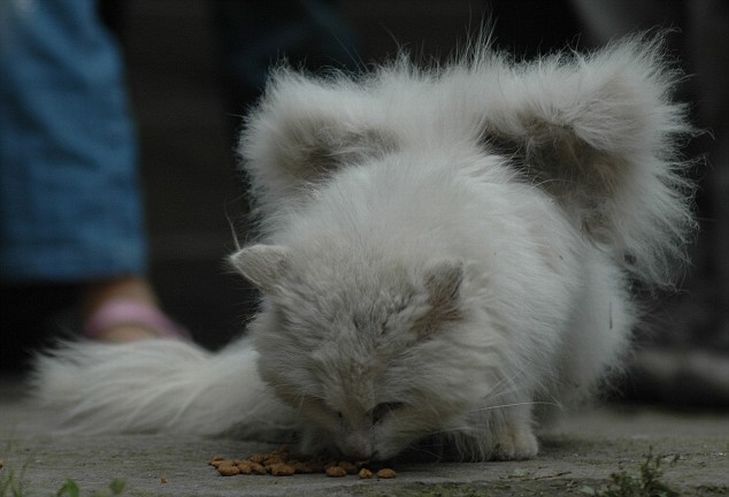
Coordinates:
<point>71,217</point>
<point>70,208</point>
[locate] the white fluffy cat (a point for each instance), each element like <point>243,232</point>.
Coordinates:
<point>443,252</point>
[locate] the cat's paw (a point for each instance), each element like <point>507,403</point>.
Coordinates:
<point>514,443</point>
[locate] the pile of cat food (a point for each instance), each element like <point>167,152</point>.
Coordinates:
<point>280,463</point>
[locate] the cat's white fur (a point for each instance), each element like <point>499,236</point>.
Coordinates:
<point>444,251</point>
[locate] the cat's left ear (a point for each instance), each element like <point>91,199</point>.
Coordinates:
<point>262,265</point>
<point>443,282</point>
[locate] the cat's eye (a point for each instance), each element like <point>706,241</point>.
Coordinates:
<point>379,412</point>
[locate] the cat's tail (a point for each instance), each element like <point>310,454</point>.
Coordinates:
<point>603,134</point>
<point>158,385</point>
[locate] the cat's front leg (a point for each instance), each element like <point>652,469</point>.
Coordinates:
<point>497,433</point>
<point>511,432</point>
<point>513,438</point>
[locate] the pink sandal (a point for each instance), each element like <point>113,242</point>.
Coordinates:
<point>117,312</point>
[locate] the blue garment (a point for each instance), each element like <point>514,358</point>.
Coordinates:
<point>69,200</point>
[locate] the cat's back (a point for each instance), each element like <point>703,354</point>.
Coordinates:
<point>426,203</point>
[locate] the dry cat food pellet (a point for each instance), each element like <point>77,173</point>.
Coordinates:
<point>226,470</point>
<point>336,471</point>
<point>364,474</point>
<point>282,469</point>
<point>279,463</point>
<point>386,473</point>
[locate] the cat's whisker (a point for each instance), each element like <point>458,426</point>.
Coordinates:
<point>507,386</point>
<point>515,404</point>
<point>457,429</point>
<point>419,449</point>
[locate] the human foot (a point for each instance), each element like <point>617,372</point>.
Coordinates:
<point>125,309</point>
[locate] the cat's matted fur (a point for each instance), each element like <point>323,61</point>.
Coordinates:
<point>443,252</point>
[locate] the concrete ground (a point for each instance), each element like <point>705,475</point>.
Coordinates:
<point>577,458</point>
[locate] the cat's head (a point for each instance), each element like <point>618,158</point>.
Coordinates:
<point>377,356</point>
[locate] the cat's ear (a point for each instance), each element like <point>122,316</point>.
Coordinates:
<point>304,129</point>
<point>262,265</point>
<point>442,281</point>
<point>601,135</point>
